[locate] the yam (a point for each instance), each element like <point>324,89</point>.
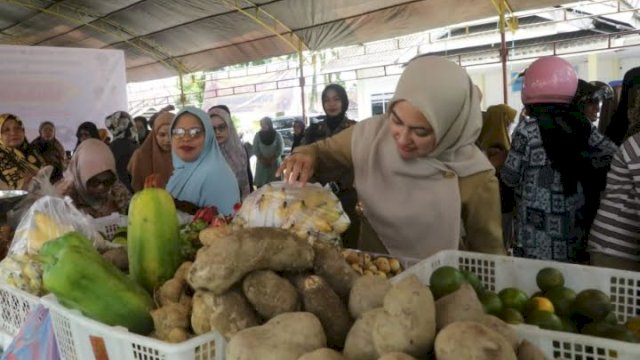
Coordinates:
<point>231,257</point>
<point>287,336</point>
<point>170,292</point>
<point>528,351</point>
<point>330,264</point>
<point>461,305</point>
<point>183,270</point>
<point>472,340</point>
<point>408,323</point>
<point>396,356</point>
<point>359,343</point>
<point>367,293</point>
<point>270,294</point>
<point>322,354</point>
<point>320,299</point>
<point>170,317</point>
<point>227,313</point>
<point>500,327</point>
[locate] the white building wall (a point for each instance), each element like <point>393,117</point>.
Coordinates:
<point>610,66</point>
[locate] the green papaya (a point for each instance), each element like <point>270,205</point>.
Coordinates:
<point>153,238</point>
<point>81,279</point>
<point>53,247</point>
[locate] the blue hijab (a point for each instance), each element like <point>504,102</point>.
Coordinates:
<point>207,181</point>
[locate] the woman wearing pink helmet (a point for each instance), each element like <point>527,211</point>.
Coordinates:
<point>555,154</point>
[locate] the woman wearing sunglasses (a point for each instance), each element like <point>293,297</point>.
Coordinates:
<point>91,181</point>
<point>201,175</point>
<point>231,147</point>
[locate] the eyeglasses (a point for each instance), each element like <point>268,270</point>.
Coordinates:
<point>220,128</point>
<point>181,132</point>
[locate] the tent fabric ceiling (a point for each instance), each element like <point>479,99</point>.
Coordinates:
<point>161,36</point>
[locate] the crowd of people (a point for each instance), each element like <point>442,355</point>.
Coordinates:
<point>433,172</point>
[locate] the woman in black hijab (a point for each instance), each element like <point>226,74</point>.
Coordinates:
<point>623,124</point>
<point>335,103</point>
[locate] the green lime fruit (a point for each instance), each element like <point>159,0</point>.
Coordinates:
<point>491,303</point>
<point>511,316</point>
<point>545,320</point>
<point>445,280</point>
<point>562,299</point>
<point>474,281</point>
<point>593,304</point>
<point>549,278</point>
<point>514,298</point>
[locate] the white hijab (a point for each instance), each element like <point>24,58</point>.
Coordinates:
<point>419,211</point>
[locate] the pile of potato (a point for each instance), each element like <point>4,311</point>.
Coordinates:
<point>275,296</point>
<point>366,264</point>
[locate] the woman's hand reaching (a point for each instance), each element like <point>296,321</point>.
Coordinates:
<point>297,167</point>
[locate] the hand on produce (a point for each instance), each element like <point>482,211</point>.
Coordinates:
<point>297,167</point>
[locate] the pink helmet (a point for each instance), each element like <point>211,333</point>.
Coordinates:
<point>549,79</point>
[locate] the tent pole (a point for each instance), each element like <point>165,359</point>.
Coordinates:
<point>302,81</point>
<point>503,53</point>
<point>183,98</point>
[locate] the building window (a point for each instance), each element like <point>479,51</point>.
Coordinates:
<point>379,103</point>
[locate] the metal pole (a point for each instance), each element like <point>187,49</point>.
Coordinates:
<point>503,53</point>
<point>183,98</point>
<point>302,82</point>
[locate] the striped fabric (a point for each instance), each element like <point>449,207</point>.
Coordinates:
<point>616,229</point>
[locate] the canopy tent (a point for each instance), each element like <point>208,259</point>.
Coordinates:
<point>163,38</point>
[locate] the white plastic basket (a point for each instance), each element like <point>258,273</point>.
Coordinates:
<point>15,304</point>
<point>81,338</point>
<point>109,225</point>
<point>498,272</point>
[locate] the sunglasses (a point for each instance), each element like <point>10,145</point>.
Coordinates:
<point>181,132</point>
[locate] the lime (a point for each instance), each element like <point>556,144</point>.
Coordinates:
<point>562,299</point>
<point>511,316</point>
<point>474,281</point>
<point>593,304</point>
<point>568,325</point>
<point>545,320</point>
<point>491,303</point>
<point>445,280</point>
<point>513,298</point>
<point>611,318</point>
<point>540,303</point>
<point>549,278</point>
<point>609,331</point>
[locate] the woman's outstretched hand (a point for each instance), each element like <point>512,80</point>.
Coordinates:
<point>297,167</point>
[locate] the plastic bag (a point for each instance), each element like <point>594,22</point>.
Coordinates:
<point>49,218</point>
<point>39,186</point>
<point>35,340</point>
<point>311,211</point>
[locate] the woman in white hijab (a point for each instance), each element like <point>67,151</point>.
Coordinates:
<point>423,183</point>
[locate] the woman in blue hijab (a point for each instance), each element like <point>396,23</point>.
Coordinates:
<point>201,175</point>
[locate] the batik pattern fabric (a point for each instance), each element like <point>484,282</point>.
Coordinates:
<point>549,224</point>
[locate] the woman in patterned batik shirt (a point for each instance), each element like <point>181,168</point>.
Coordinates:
<point>555,152</point>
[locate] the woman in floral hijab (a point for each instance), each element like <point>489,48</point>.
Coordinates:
<point>18,162</point>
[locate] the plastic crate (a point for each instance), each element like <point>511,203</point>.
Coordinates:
<point>108,225</point>
<point>81,338</point>
<point>15,304</point>
<point>498,272</point>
